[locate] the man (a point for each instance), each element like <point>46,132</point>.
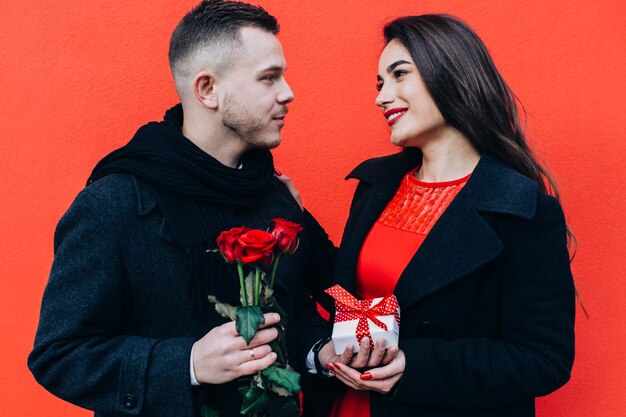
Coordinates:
<point>125,325</point>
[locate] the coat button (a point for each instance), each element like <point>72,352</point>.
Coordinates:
<point>130,401</point>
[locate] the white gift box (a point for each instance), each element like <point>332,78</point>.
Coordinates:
<point>344,332</point>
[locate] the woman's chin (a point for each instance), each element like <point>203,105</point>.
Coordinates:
<point>400,141</point>
<point>396,140</point>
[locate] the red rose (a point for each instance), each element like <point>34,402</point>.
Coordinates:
<point>228,243</point>
<point>286,234</point>
<point>257,246</point>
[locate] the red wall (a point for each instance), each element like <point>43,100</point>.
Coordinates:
<point>77,78</point>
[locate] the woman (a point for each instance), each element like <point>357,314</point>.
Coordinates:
<point>460,226</point>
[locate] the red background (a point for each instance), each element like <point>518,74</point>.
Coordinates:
<point>77,78</point>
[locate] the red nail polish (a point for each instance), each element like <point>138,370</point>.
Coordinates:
<point>277,172</point>
<point>330,367</point>
<point>365,376</point>
<point>336,365</point>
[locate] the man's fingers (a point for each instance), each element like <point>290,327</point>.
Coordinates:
<point>254,353</point>
<point>230,328</point>
<point>270,320</point>
<point>390,355</point>
<point>253,366</point>
<point>346,356</point>
<point>262,337</point>
<point>377,354</point>
<point>362,356</point>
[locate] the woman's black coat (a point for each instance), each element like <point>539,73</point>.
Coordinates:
<point>487,302</point>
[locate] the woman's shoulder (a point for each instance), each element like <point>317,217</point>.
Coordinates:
<point>380,167</point>
<point>503,189</point>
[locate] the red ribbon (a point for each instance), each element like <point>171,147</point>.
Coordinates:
<point>349,308</point>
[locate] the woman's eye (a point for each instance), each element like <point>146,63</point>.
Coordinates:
<point>399,73</point>
<point>379,86</point>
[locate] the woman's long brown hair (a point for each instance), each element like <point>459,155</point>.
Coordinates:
<point>470,93</point>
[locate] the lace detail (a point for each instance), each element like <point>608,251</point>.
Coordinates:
<point>417,205</point>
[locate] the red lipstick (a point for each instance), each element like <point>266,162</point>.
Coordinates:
<point>393,111</point>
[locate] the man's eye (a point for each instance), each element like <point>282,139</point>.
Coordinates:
<point>269,78</point>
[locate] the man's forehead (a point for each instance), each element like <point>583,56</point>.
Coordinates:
<point>261,50</point>
<point>250,33</point>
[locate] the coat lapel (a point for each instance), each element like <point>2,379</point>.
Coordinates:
<point>460,242</point>
<point>382,186</point>
<point>146,203</point>
<point>369,213</point>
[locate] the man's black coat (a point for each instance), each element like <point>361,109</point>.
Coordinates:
<point>118,318</point>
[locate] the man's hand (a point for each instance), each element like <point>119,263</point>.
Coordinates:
<point>364,358</point>
<point>222,355</point>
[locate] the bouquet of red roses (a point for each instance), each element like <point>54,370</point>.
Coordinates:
<point>256,254</point>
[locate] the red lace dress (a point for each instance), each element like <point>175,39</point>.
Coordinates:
<point>388,248</point>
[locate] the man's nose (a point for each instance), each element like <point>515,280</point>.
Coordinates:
<point>286,94</point>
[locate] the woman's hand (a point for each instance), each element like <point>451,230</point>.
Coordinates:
<point>289,184</point>
<point>363,359</point>
<point>381,379</point>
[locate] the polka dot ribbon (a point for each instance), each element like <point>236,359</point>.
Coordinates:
<point>349,308</point>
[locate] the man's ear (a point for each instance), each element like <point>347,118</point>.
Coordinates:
<point>204,89</point>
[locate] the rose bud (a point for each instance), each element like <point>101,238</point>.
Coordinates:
<point>286,234</point>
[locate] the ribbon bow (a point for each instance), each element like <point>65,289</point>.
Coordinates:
<point>349,308</point>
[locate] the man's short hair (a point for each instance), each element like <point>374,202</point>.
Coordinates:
<point>213,26</point>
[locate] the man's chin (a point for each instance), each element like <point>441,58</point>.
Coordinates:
<point>274,144</point>
<point>266,144</point>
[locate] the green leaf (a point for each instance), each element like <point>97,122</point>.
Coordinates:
<point>280,391</point>
<point>279,345</point>
<point>223,309</point>
<point>248,321</point>
<point>283,407</point>
<point>254,399</point>
<point>276,347</point>
<point>249,283</point>
<point>258,381</point>
<point>273,307</point>
<point>288,379</point>
<point>207,411</point>
<point>267,292</point>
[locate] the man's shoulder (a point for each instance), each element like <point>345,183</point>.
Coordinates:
<point>111,186</point>
<point>118,193</point>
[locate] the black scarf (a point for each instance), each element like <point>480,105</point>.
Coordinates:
<point>196,193</point>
